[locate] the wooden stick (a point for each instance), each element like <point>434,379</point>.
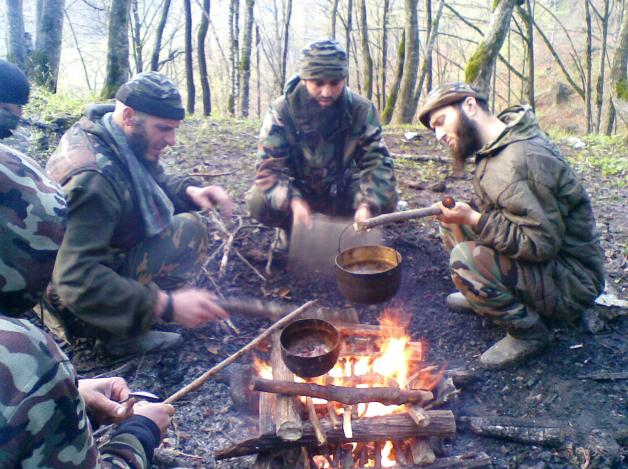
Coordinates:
<point>198,382</point>
<point>287,418</point>
<point>346,395</point>
<point>418,414</point>
<point>211,175</point>
<point>397,216</point>
<point>321,438</point>
<point>249,265</point>
<point>347,429</point>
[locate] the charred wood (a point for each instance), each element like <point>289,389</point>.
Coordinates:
<point>531,431</point>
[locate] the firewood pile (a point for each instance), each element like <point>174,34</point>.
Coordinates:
<point>380,406</point>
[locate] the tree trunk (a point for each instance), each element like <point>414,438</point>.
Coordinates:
<point>479,68</point>
<point>428,56</point>
<point>159,33</point>
<point>527,16</point>
<point>245,58</point>
<point>136,35</point>
<point>16,50</point>
<point>348,30</point>
<point>202,59</point>
<point>117,48</point>
<point>334,14</point>
<point>394,91</point>
<point>189,61</point>
<point>284,53</point>
<point>384,51</point>
<point>618,76</point>
<point>599,88</point>
<point>47,52</point>
<point>367,60</point>
<point>234,32</point>
<point>258,46</point>
<point>403,114</point>
<point>588,68</point>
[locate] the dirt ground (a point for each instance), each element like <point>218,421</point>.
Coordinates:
<point>555,385</point>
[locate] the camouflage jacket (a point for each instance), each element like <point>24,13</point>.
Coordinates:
<point>32,222</point>
<point>534,209</point>
<point>298,159</point>
<point>43,421</point>
<point>103,224</point>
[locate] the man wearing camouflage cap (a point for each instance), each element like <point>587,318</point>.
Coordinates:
<point>320,148</point>
<point>530,253</point>
<point>43,408</point>
<point>133,241</point>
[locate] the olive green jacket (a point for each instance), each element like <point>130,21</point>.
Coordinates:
<point>535,210</point>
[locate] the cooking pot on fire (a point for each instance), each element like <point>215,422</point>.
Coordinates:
<point>310,347</point>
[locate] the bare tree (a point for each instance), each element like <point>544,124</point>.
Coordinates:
<point>403,113</point>
<point>588,67</point>
<point>117,48</point>
<point>599,88</point>
<point>245,58</point>
<point>394,90</point>
<point>284,52</point>
<point>136,36</point>
<point>47,54</point>
<point>384,65</point>
<point>234,32</point>
<point>16,51</point>
<point>367,60</point>
<point>159,33</point>
<point>348,30</point>
<point>202,59</point>
<point>189,61</point>
<point>428,56</point>
<point>334,14</point>
<point>479,68</point>
<point>527,15</point>
<point>619,80</point>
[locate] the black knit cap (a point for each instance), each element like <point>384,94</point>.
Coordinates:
<point>14,87</point>
<point>154,94</point>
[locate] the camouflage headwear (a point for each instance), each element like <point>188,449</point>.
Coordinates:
<point>324,59</point>
<point>154,94</point>
<point>15,88</point>
<point>444,95</point>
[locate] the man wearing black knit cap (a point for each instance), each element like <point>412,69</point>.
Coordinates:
<point>132,242</point>
<point>12,97</point>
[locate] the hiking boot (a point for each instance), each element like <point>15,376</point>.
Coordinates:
<point>458,302</point>
<point>511,350</point>
<point>150,342</point>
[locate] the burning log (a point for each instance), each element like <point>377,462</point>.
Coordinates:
<point>398,427</point>
<point>418,414</point>
<point>288,425</point>
<point>345,395</point>
<point>532,431</point>
<point>463,461</point>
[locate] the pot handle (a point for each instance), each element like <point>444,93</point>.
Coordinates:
<point>341,234</point>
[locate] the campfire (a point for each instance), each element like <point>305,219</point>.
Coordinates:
<point>378,406</point>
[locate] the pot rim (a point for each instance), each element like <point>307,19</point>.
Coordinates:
<point>398,256</point>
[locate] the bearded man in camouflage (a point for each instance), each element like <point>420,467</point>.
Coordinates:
<point>531,251</point>
<point>133,241</point>
<point>43,412</point>
<point>320,148</point>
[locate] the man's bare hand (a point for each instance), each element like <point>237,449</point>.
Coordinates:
<point>102,398</point>
<point>194,307</point>
<point>301,213</point>
<point>461,214</point>
<point>158,413</point>
<point>210,197</point>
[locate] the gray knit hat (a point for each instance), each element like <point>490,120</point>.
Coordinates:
<point>154,94</point>
<point>324,58</point>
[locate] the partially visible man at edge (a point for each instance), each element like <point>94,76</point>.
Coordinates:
<point>530,252</point>
<point>320,148</point>
<point>133,241</point>
<point>43,407</point>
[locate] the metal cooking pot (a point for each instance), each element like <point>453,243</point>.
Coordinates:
<point>310,347</point>
<point>368,274</point>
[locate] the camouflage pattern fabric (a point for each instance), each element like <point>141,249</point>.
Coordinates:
<point>444,95</point>
<point>92,284</point>
<point>324,59</point>
<point>297,156</point>
<point>152,93</point>
<point>43,420</point>
<point>32,223</point>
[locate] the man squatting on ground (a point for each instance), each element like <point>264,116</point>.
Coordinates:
<point>132,241</point>
<point>43,408</point>
<point>320,148</point>
<point>531,251</point>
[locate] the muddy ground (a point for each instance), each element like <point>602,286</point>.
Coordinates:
<point>552,386</point>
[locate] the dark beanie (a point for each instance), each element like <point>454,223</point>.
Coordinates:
<point>154,94</point>
<point>14,87</point>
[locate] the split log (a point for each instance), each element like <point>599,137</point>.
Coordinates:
<point>288,425</point>
<point>383,428</point>
<point>321,439</point>
<point>422,452</point>
<point>418,415</point>
<point>531,431</point>
<point>345,395</point>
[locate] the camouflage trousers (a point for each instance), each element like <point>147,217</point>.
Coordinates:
<point>491,282</point>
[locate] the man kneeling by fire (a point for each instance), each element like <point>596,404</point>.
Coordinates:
<point>531,251</point>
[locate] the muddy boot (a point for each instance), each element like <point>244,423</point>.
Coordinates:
<point>517,346</point>
<point>458,302</point>
<point>151,342</point>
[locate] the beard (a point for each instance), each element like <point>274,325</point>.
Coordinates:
<point>138,142</point>
<point>468,140</point>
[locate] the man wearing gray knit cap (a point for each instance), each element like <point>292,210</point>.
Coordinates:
<point>133,241</point>
<point>320,148</point>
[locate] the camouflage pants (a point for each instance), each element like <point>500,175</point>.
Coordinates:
<point>491,282</point>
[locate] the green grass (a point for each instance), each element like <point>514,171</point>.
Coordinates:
<point>48,106</point>
<point>604,154</point>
